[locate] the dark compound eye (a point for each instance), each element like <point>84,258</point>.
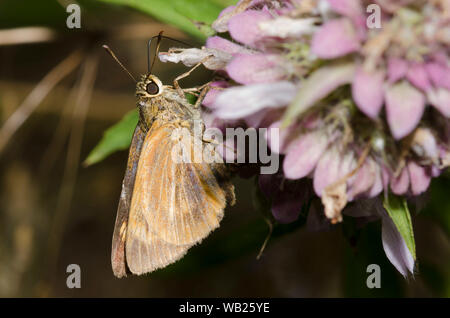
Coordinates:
<point>152,88</point>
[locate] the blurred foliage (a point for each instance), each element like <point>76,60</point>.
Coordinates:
<point>52,13</point>
<point>117,137</point>
<point>397,209</point>
<point>180,13</point>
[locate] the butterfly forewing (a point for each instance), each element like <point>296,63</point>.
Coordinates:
<point>118,243</point>
<point>174,205</point>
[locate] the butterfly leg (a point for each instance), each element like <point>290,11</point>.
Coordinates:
<point>202,95</point>
<point>179,77</point>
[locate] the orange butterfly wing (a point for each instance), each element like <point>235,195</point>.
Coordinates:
<point>174,205</point>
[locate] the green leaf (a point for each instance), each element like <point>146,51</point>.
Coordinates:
<point>180,13</point>
<point>117,137</point>
<point>397,209</point>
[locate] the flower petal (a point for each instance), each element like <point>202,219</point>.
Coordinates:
<point>219,43</point>
<point>397,69</point>
<point>440,99</point>
<point>317,86</point>
<point>279,145</point>
<point>284,27</point>
<point>255,68</point>
<point>212,93</point>
<point>349,8</point>
<point>241,101</point>
<point>367,91</point>
<point>424,144</point>
<point>334,39</point>
<point>243,27</point>
<point>377,186</point>
<point>327,170</point>
<point>439,75</point>
<point>418,76</point>
<point>221,24</point>
<point>404,108</point>
<point>400,184</point>
<point>420,178</point>
<point>303,154</point>
<point>364,179</point>
<point>395,247</point>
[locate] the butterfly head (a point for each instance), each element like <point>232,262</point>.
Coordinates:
<point>149,86</point>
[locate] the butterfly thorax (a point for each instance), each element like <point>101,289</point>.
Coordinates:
<point>161,102</point>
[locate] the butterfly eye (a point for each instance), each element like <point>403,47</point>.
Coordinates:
<point>152,88</point>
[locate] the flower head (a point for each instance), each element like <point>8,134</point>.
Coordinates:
<point>361,109</point>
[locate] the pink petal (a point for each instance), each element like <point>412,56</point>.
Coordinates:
<point>221,24</point>
<point>285,27</point>
<point>212,93</point>
<point>397,69</point>
<point>418,76</point>
<point>254,120</point>
<point>255,68</point>
<point>424,144</point>
<point>240,101</point>
<point>439,75</point>
<point>349,8</point>
<point>395,247</point>
<point>385,177</point>
<point>303,154</point>
<point>400,184</point>
<point>363,180</point>
<point>420,178</point>
<point>377,186</point>
<point>404,108</point>
<point>279,145</point>
<point>334,39</point>
<point>367,91</point>
<point>243,27</point>
<point>219,43</point>
<point>318,85</point>
<point>440,99</point>
<point>327,171</point>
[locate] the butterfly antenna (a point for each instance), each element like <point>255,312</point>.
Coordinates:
<point>158,43</point>
<point>118,62</point>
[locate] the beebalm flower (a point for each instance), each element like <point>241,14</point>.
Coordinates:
<point>361,111</point>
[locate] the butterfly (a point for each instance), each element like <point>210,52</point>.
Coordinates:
<point>165,206</point>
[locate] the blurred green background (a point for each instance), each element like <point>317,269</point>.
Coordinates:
<point>54,211</point>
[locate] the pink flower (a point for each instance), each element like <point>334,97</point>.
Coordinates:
<point>360,111</point>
